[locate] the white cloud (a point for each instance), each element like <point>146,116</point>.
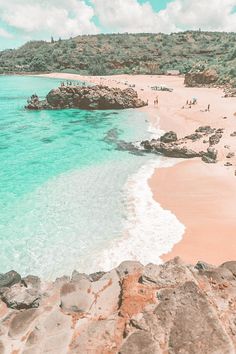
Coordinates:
<point>5,34</point>
<point>131,16</point>
<point>212,15</point>
<point>65,18</point>
<point>57,17</point>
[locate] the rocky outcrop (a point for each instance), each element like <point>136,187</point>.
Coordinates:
<point>169,308</point>
<point>210,156</point>
<point>92,97</point>
<point>201,78</point>
<point>169,149</point>
<point>169,137</point>
<point>169,145</point>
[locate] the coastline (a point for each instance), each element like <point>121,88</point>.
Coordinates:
<point>217,195</point>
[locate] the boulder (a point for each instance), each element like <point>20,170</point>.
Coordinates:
<point>169,137</point>
<point>169,149</point>
<point>206,129</point>
<point>210,156</point>
<point>10,278</point>
<point>171,273</point>
<point>201,78</point>
<point>19,297</point>
<point>231,266</point>
<point>32,281</point>
<point>193,137</point>
<point>100,297</point>
<point>129,267</point>
<point>215,139</point>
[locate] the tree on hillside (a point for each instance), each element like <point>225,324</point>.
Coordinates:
<point>38,64</point>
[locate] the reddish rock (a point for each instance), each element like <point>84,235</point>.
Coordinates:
<point>201,78</point>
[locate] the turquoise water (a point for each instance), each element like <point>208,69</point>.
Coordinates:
<point>61,179</point>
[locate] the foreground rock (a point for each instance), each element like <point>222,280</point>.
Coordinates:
<point>153,309</point>
<point>92,97</point>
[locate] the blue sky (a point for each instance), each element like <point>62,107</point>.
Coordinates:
<point>24,20</point>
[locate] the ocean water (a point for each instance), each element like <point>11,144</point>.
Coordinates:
<point>70,198</point>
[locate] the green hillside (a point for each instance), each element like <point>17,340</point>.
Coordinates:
<point>127,53</point>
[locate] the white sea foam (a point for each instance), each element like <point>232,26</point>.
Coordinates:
<point>149,230</point>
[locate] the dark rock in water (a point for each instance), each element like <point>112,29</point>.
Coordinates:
<point>10,278</point>
<point>94,97</point>
<point>124,146</point>
<point>112,135</point>
<point>233,134</point>
<point>228,164</point>
<point>169,137</point>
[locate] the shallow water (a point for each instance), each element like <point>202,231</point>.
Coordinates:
<point>68,196</point>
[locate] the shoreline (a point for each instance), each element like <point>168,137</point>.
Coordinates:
<point>170,116</point>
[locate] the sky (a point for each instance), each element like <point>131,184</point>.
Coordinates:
<point>24,20</point>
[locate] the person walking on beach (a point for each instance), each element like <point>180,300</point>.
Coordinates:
<point>208,108</point>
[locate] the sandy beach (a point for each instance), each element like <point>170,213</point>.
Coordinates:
<point>202,196</point>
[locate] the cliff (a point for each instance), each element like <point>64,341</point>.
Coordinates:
<point>152,309</point>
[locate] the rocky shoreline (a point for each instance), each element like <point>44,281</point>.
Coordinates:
<point>90,97</point>
<point>200,143</point>
<point>174,308</point>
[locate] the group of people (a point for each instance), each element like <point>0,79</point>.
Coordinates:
<point>191,102</point>
<point>194,101</point>
<point>70,83</point>
<point>33,98</point>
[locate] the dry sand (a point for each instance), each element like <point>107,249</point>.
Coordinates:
<point>202,196</point>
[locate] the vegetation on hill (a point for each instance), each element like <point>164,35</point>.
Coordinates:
<point>106,54</point>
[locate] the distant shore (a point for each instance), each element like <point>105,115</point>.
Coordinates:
<point>202,196</point>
